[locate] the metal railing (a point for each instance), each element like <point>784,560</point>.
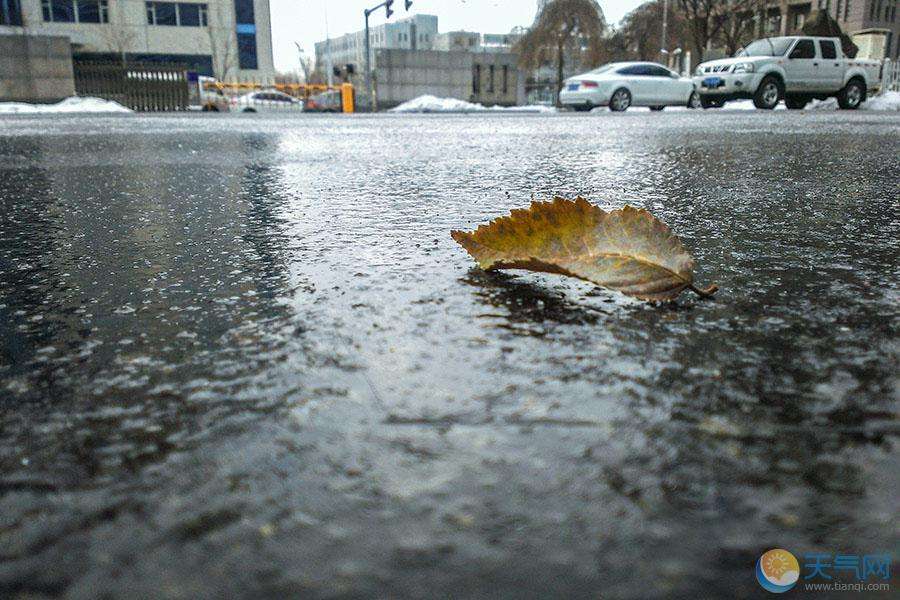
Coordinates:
<point>890,76</point>
<point>139,86</point>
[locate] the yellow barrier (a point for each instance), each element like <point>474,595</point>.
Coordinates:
<point>297,90</point>
<point>347,97</point>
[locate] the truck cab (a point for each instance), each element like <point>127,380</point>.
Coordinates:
<point>796,69</point>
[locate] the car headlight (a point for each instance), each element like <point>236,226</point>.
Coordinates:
<point>743,68</point>
<point>699,70</point>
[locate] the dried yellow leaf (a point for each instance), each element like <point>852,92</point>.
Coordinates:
<point>628,249</point>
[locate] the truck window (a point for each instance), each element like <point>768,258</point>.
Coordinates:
<point>767,47</point>
<point>826,47</point>
<point>803,49</point>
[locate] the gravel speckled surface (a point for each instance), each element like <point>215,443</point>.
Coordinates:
<point>242,357</point>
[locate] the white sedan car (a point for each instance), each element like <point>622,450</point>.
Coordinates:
<point>266,101</point>
<point>624,84</point>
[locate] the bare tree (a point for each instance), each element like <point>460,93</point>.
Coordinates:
<point>704,23</point>
<point>222,42</point>
<point>735,23</point>
<point>641,30</point>
<point>306,63</point>
<point>572,28</point>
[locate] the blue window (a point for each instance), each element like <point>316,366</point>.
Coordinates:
<point>247,50</point>
<point>10,12</point>
<point>243,11</point>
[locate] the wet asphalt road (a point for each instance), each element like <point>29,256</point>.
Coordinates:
<point>242,357</point>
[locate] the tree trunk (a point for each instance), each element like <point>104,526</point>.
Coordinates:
<point>559,68</point>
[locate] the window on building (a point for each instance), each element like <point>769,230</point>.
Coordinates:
<point>247,50</point>
<point>872,11</point>
<point>505,87</point>
<point>176,13</point>
<point>243,11</point>
<point>162,13</point>
<point>75,11</point>
<point>887,12</point>
<point>192,15</point>
<point>799,20</point>
<point>476,79</point>
<point>491,79</point>
<point>89,11</point>
<point>837,9</point>
<point>11,12</point>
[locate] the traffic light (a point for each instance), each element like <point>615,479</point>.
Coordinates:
<point>387,8</point>
<point>408,4</point>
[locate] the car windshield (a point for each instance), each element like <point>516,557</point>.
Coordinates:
<point>766,47</point>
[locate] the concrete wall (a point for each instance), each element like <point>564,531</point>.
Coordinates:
<point>35,68</point>
<point>494,90</point>
<point>402,75</point>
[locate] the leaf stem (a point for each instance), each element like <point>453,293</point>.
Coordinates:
<point>705,292</point>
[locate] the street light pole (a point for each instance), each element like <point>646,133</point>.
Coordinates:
<point>665,26</point>
<point>387,8</point>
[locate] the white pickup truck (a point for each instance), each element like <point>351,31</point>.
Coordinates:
<point>795,68</point>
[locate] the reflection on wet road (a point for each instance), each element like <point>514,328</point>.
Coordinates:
<point>243,357</point>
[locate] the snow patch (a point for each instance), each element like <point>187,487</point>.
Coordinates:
<point>74,104</point>
<point>885,101</point>
<point>433,104</point>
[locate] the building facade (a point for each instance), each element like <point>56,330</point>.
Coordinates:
<point>476,42</point>
<point>417,32</point>
<point>228,39</point>
<point>856,18</point>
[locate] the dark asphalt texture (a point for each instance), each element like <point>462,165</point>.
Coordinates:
<point>241,357</point>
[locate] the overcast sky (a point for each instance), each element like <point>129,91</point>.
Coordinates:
<point>303,21</point>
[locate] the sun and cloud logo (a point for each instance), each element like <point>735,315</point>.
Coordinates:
<point>777,570</point>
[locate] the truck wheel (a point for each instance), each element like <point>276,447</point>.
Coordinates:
<point>796,102</point>
<point>853,94</point>
<point>769,92</point>
<point>620,100</point>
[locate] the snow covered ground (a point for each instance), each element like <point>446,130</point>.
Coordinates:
<point>433,104</point>
<point>74,104</point>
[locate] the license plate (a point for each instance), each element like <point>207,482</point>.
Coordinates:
<point>573,87</point>
<point>712,82</point>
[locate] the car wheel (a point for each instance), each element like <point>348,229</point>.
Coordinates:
<point>620,100</point>
<point>694,100</point>
<point>796,102</point>
<point>853,94</point>
<point>769,92</point>
<point>656,108</point>
<point>708,102</point>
